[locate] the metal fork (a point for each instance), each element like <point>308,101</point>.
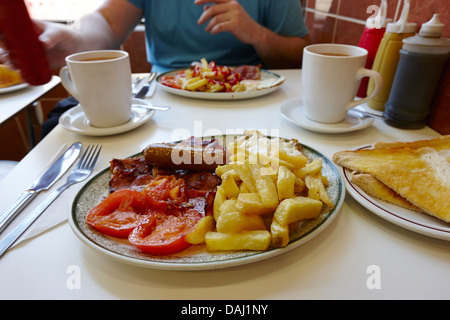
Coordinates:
<point>82,170</point>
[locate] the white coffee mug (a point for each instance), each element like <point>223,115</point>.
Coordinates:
<point>101,82</point>
<point>331,74</point>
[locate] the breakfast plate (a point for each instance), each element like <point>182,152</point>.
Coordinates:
<point>75,120</point>
<point>408,219</point>
<point>270,82</point>
<point>13,88</point>
<point>196,257</point>
<point>293,111</point>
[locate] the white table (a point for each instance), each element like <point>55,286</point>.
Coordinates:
<point>336,264</point>
<point>13,102</point>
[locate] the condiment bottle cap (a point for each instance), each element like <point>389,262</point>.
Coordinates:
<point>432,28</point>
<point>402,25</point>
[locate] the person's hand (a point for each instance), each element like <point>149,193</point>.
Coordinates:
<point>58,40</point>
<point>228,16</point>
<point>4,55</point>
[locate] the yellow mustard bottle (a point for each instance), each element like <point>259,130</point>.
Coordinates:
<point>388,55</point>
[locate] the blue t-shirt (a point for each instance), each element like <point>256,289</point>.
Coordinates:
<point>175,39</point>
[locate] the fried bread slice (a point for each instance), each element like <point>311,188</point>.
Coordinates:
<point>440,143</point>
<point>379,190</point>
<point>421,176</point>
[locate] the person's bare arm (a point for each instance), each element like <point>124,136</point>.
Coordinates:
<point>275,50</point>
<point>106,28</point>
<point>122,17</point>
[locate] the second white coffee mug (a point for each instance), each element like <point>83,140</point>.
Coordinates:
<point>101,82</point>
<point>331,74</point>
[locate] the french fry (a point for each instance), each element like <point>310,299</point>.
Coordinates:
<point>215,88</point>
<point>316,189</point>
<point>243,188</point>
<point>245,174</point>
<point>247,240</point>
<point>296,209</point>
<point>310,168</point>
<point>299,185</point>
<point>285,183</point>
<point>229,205</point>
<point>222,169</point>
<point>204,63</point>
<point>197,236</point>
<point>238,88</point>
<point>195,85</point>
<point>313,184</point>
<point>250,204</point>
<point>265,186</point>
<point>219,199</point>
<point>280,234</point>
<point>234,222</point>
<point>229,186</point>
<point>291,153</point>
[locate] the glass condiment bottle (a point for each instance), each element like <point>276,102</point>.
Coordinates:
<point>20,36</point>
<point>422,60</point>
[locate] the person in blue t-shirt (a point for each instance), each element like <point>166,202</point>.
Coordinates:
<point>267,32</point>
<point>230,32</point>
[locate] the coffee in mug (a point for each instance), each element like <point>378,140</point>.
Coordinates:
<point>101,82</point>
<point>331,74</point>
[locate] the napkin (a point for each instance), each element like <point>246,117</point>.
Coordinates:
<point>56,213</point>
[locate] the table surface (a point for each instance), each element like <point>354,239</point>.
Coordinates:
<point>338,263</point>
<point>13,102</point>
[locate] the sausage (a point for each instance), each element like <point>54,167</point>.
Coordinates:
<point>184,157</point>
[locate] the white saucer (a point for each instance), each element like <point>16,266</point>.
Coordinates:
<point>76,121</point>
<point>292,110</point>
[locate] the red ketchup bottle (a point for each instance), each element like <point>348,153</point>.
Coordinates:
<point>370,40</point>
<point>20,37</point>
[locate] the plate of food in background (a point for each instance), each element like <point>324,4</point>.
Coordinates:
<point>205,80</point>
<point>10,80</point>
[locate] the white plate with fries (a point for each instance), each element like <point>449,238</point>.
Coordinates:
<point>197,257</point>
<point>13,88</point>
<point>269,83</point>
<point>405,218</point>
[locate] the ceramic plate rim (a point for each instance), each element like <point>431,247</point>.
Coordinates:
<point>105,131</point>
<point>13,88</point>
<point>250,257</point>
<point>288,105</point>
<point>219,95</point>
<point>388,212</point>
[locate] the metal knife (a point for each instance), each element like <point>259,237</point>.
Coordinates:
<point>44,182</point>
<point>143,91</point>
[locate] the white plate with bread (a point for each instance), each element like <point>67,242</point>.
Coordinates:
<point>406,183</point>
